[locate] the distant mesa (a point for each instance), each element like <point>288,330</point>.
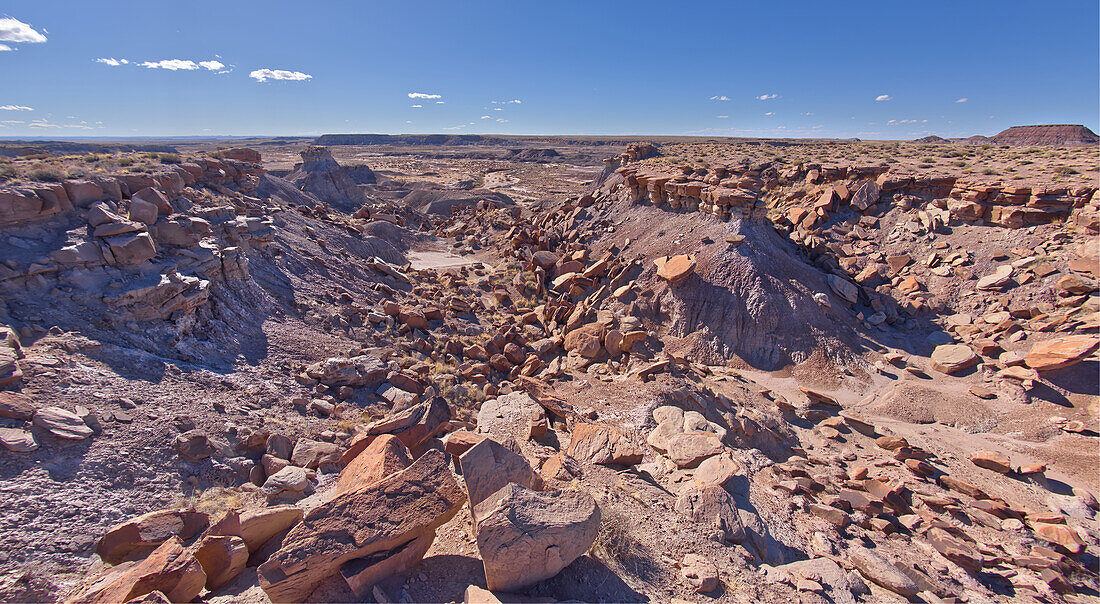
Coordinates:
<point>1054,135</point>
<point>931,139</point>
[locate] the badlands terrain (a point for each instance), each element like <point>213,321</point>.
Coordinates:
<point>538,369</point>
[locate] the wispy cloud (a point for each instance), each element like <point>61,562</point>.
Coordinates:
<point>719,98</point>
<point>45,124</point>
<point>884,97</point>
<point>15,108</point>
<point>770,113</point>
<point>485,117</point>
<point>5,48</point>
<point>511,102</point>
<point>767,97</point>
<point>416,106</point>
<point>962,100</point>
<point>439,102</point>
<point>212,65</point>
<point>424,95</point>
<point>263,75</point>
<point>722,117</point>
<point>502,120</point>
<point>900,122</point>
<point>113,62</point>
<point>458,127</point>
<point>14,30</point>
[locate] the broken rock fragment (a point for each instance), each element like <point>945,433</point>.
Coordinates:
<point>488,466</point>
<point>951,358</point>
<point>527,536</point>
<point>143,534</point>
<point>1060,352</point>
<point>605,445</point>
<point>62,423</point>
<point>170,569</point>
<point>364,522</point>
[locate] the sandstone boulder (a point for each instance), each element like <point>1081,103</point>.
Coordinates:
<point>700,573</point>
<point>16,406</point>
<point>382,457</point>
<point>259,525</point>
<point>360,371</point>
<point>675,268</point>
<point>526,536</point>
<point>713,507</point>
<point>507,416</point>
<point>992,460</point>
<point>1060,352</point>
<point>222,557</point>
<point>688,449</point>
<point>141,535</point>
<point>844,288</point>
<point>950,358</point>
<point>368,521</point>
<point>62,423</point>
<point>874,567</point>
<point>998,279</point>
<point>603,445</point>
<point>170,569</point>
<point>17,440</point>
<point>488,466</point>
<point>586,340</point>
<point>312,454</point>
<point>130,248</point>
<point>866,196</point>
<point>412,427</point>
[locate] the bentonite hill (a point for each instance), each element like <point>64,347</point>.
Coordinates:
<point>515,302</point>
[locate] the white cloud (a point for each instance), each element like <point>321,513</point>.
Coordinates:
<point>416,106</point>
<point>722,117</point>
<point>808,113</point>
<point>212,65</point>
<point>767,97</point>
<point>424,95</point>
<point>962,100</point>
<point>884,97</point>
<point>15,108</point>
<point>770,113</point>
<point>458,127</point>
<point>263,75</point>
<point>900,122</point>
<point>497,109</point>
<point>14,30</point>
<point>113,62</point>
<point>12,122</point>
<point>502,120</point>
<point>515,101</point>
<point>5,48</point>
<point>485,117</point>
<point>720,98</point>
<point>47,124</point>
<point>439,102</point>
<point>172,64</point>
<point>511,102</point>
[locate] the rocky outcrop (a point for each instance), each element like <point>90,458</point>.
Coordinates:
<point>320,176</point>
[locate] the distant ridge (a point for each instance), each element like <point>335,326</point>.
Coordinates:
<point>408,139</point>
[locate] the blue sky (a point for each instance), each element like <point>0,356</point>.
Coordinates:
<point>867,69</point>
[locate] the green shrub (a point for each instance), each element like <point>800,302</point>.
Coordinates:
<point>46,175</point>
